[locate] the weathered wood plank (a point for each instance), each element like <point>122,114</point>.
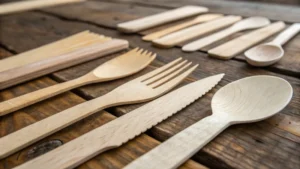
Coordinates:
<point>273,11</point>
<point>96,12</point>
<point>267,144</point>
<point>116,158</point>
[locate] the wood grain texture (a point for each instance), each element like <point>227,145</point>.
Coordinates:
<point>36,69</point>
<point>30,115</point>
<point>120,131</point>
<point>158,19</point>
<point>245,24</point>
<point>56,48</point>
<point>194,21</point>
<point>142,89</point>
<point>195,31</point>
<point>238,102</point>
<point>288,65</point>
<point>230,49</point>
<point>121,66</point>
<point>271,52</point>
<point>33,4</point>
<point>269,144</point>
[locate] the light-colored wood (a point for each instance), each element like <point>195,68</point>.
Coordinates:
<point>66,45</point>
<point>25,5</point>
<point>270,53</point>
<point>229,49</point>
<point>161,18</point>
<point>141,89</point>
<point>121,66</point>
<point>23,73</point>
<point>119,131</point>
<point>195,31</point>
<point>247,100</point>
<point>197,20</point>
<point>245,24</point>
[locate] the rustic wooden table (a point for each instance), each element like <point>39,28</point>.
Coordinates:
<point>273,143</point>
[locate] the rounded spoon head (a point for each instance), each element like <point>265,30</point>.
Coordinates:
<point>252,99</point>
<point>251,23</point>
<point>124,65</point>
<point>264,55</point>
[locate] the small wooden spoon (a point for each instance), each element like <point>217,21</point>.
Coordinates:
<point>249,23</point>
<point>247,100</point>
<point>270,53</point>
<point>121,66</point>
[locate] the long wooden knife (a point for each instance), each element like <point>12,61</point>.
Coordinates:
<point>124,128</point>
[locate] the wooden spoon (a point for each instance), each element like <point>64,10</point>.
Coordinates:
<point>121,66</point>
<point>249,23</point>
<point>247,100</point>
<point>270,53</point>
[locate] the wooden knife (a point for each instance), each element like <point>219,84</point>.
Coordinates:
<point>122,129</point>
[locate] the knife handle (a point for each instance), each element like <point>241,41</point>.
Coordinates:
<point>179,148</point>
<point>36,131</point>
<point>28,99</point>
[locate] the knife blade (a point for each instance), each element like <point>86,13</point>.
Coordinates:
<point>124,128</point>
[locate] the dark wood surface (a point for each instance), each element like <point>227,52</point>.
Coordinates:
<point>272,143</point>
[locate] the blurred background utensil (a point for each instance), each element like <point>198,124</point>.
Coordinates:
<point>271,52</point>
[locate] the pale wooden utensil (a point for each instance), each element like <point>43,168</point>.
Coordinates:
<point>197,20</point>
<point>122,129</point>
<point>26,72</point>
<point>161,18</point>
<point>20,6</point>
<point>229,49</point>
<point>195,31</point>
<point>271,52</point>
<point>245,24</point>
<point>121,66</point>
<point>63,46</point>
<point>247,100</point>
<point>141,89</point>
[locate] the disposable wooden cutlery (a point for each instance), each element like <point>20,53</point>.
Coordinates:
<point>270,53</point>
<point>197,20</point>
<point>161,18</point>
<point>195,31</point>
<point>229,49</point>
<point>247,100</point>
<point>249,23</point>
<point>121,66</point>
<point>124,128</point>
<point>32,4</point>
<point>141,89</point>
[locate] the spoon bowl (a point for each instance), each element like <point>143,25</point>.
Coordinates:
<point>264,55</point>
<point>270,53</point>
<point>252,99</point>
<point>124,65</point>
<point>251,23</point>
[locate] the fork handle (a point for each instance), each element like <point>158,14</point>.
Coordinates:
<point>179,148</point>
<point>28,99</point>
<point>34,132</point>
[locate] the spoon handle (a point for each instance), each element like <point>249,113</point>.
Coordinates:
<point>286,35</point>
<point>176,150</point>
<point>198,44</point>
<point>28,99</point>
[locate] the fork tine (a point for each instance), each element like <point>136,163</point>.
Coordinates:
<point>170,76</point>
<point>159,70</point>
<point>175,81</point>
<point>165,73</point>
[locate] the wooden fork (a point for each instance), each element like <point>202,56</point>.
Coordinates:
<point>141,89</point>
<point>118,67</point>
